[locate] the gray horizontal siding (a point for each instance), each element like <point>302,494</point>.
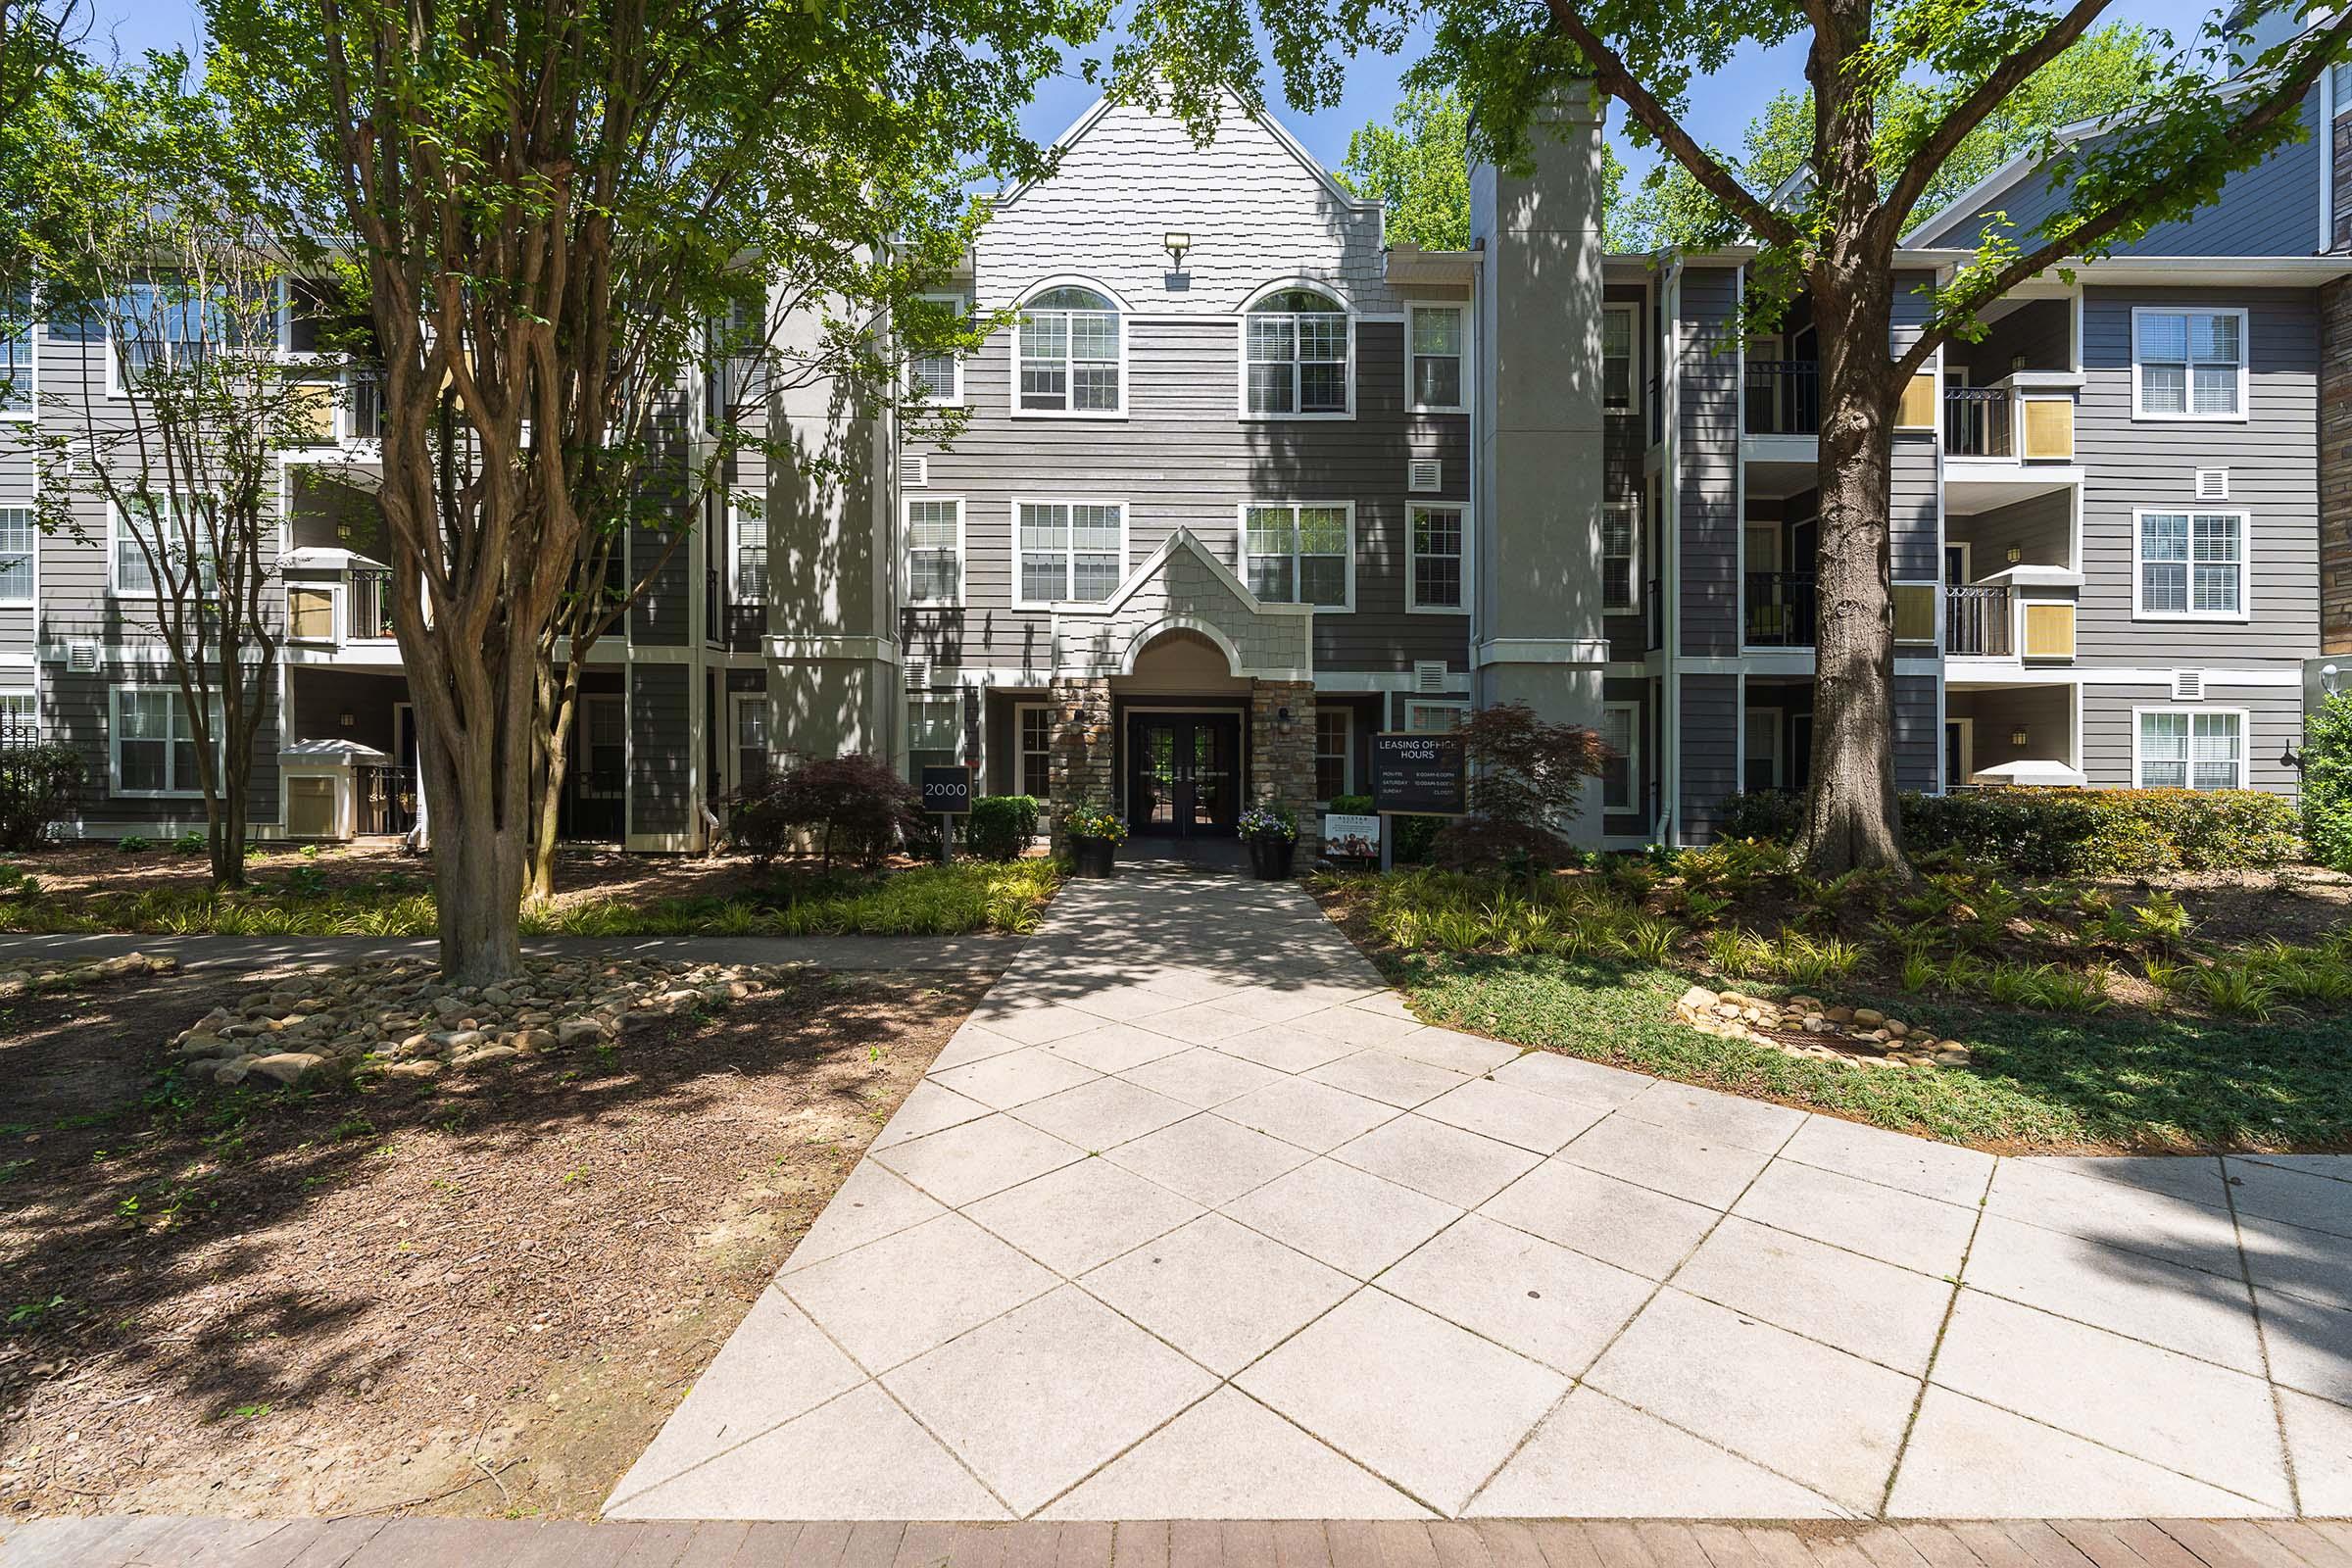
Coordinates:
<point>75,709</point>
<point>1917,737</point>
<point>1710,725</point>
<point>1707,464</point>
<point>2273,717</point>
<point>660,749</point>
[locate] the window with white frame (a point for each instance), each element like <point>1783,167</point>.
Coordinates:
<point>747,550</point>
<point>1437,357</point>
<point>1333,753</point>
<point>1434,718</point>
<point>1621,557</point>
<point>1435,537</point>
<point>1620,776</point>
<point>2186,749</point>
<point>154,748</point>
<point>167,323</point>
<point>311,611</point>
<point>166,528</point>
<point>2189,365</point>
<point>1068,550</point>
<point>2193,564</point>
<point>17,370</point>
<point>1033,724</point>
<point>934,552</point>
<point>604,772</point>
<point>1069,347</point>
<point>751,740</point>
<point>1619,358</point>
<point>19,718</point>
<point>1298,554</point>
<point>1295,347</point>
<point>935,724</point>
<point>938,378</point>
<point>2340,85</point>
<point>18,542</point>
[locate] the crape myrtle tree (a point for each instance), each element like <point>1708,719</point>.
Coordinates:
<point>1946,70</point>
<point>156,245</point>
<point>544,202</point>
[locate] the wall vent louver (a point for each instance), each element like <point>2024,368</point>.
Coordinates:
<point>2188,685</point>
<point>2213,484</point>
<point>1429,675</point>
<point>919,676</point>
<point>917,471</point>
<point>1424,475</point>
<point>81,658</point>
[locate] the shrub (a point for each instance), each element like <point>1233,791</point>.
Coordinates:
<point>1529,777</point>
<point>38,785</point>
<point>189,843</point>
<point>1768,816</point>
<point>131,843</point>
<point>2328,781</point>
<point>1002,826</point>
<point>854,806</point>
<point>1351,805</point>
<point>1414,836</point>
<point>2105,832</point>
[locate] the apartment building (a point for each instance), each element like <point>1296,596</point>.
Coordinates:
<point>1239,486</point>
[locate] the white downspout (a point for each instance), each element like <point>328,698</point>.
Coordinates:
<point>1670,557</point>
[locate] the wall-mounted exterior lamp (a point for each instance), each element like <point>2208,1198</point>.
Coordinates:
<point>1176,243</point>
<point>2017,736</point>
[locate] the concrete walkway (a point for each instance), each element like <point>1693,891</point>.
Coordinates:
<point>1191,1220</point>
<point>983,952</point>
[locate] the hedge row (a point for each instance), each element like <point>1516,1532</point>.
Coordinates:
<point>2070,832</point>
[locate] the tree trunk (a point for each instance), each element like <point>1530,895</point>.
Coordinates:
<point>229,831</point>
<point>1850,813</point>
<point>555,770</point>
<point>473,761</point>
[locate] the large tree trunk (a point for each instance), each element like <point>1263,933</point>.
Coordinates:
<point>555,740</point>
<point>474,762</point>
<point>229,828</point>
<point>1850,813</point>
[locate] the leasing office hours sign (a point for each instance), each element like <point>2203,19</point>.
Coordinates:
<point>1419,776</point>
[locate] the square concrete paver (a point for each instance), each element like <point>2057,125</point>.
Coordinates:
<point>1072,1278</point>
<point>1410,1396</point>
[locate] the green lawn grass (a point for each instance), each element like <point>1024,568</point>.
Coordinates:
<point>2122,1079</point>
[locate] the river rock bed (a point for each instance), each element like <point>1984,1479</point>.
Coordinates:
<point>69,974</point>
<point>1805,1026</point>
<point>394,1015</point>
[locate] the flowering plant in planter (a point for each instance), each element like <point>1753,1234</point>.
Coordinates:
<point>1277,825</point>
<point>1096,823</point>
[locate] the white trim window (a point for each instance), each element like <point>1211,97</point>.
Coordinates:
<point>171,526</point>
<point>1335,751</point>
<point>603,773</point>
<point>19,717</point>
<point>19,366</point>
<point>1071,355</point>
<point>936,381</point>
<point>170,325</point>
<point>1067,550</point>
<point>747,553</point>
<point>750,729</point>
<point>2188,364</point>
<point>935,724</point>
<point>19,554</point>
<point>934,551</point>
<point>1438,355</point>
<point>152,745</point>
<point>1298,357</point>
<point>1620,776</point>
<point>1621,359</point>
<point>1435,542</point>
<point>1434,718</point>
<point>1033,751</point>
<point>2189,565</point>
<point>1300,553</point>
<point>1621,557</point>
<point>2188,749</point>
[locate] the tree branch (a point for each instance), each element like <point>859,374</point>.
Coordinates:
<point>1611,74</point>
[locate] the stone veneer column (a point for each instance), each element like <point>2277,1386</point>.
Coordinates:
<point>1282,769</point>
<point>2336,467</point>
<point>1079,766</point>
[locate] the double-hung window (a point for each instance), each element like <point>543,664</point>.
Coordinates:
<point>1064,549</point>
<point>1621,557</point>
<point>2185,748</point>
<point>1435,537</point>
<point>1332,753</point>
<point>154,742</point>
<point>17,384</point>
<point>1434,718</point>
<point>934,552</point>
<point>746,551</point>
<point>1300,553</point>
<point>1295,350</point>
<point>1036,724</point>
<point>1437,357</point>
<point>2188,364</point>
<point>935,726</point>
<point>1070,355</point>
<point>1620,776</point>
<point>18,543</point>
<point>938,378</point>
<point>168,529</point>
<point>751,740</point>
<point>1620,360</point>
<point>167,326</point>
<point>2193,564</point>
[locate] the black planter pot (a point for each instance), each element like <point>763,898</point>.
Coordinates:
<point>1270,858</point>
<point>1095,857</point>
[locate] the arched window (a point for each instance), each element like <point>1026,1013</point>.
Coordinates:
<point>1069,345</point>
<point>1294,345</point>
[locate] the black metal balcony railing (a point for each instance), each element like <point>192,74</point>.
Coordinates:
<point>733,624</point>
<point>370,604</point>
<point>1654,617</point>
<point>366,411</point>
<point>1975,620</point>
<point>1780,610</point>
<point>1976,423</point>
<point>386,799</point>
<point>1783,397</point>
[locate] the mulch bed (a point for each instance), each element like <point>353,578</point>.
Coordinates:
<point>477,1296</point>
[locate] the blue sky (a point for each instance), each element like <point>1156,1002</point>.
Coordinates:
<point>1720,112</point>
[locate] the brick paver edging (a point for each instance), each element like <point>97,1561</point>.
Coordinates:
<point>144,1541</point>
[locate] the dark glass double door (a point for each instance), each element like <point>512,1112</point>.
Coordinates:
<point>1184,774</point>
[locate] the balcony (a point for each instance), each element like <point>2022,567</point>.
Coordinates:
<point>1976,423</point>
<point>1782,397</point>
<point>1780,610</point>
<point>735,623</point>
<point>1976,621</point>
<point>371,616</point>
